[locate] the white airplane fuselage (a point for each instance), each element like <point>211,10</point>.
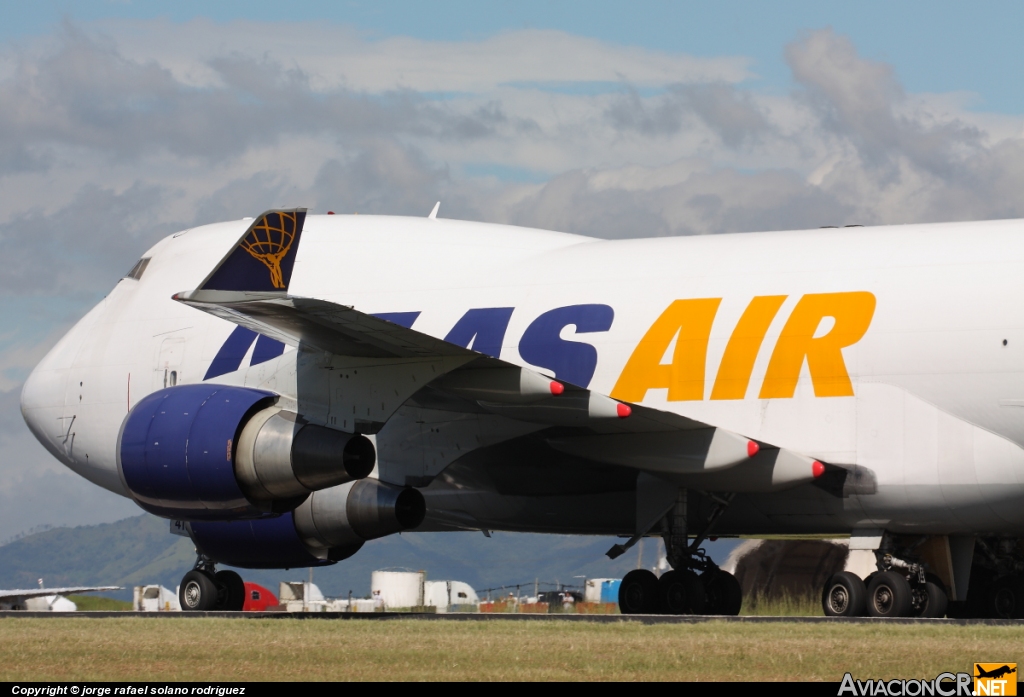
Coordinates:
<point>925,402</point>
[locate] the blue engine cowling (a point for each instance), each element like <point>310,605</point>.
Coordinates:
<point>176,453</point>
<point>271,543</point>
<point>216,452</point>
<point>331,525</point>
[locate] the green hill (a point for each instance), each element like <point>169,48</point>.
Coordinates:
<point>141,550</point>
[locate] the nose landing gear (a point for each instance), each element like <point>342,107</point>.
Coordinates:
<point>205,589</point>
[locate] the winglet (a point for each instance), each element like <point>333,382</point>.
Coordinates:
<point>433,213</point>
<point>262,259</point>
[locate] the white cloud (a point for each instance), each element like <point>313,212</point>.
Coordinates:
<point>341,57</point>
<point>114,134</point>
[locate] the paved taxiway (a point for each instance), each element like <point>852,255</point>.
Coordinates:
<point>486,616</point>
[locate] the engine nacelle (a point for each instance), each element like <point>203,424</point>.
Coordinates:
<point>282,458</point>
<point>330,525</point>
<point>269,543</point>
<point>358,511</point>
<point>216,452</point>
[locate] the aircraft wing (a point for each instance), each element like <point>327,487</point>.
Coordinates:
<point>249,287</point>
<point>330,327</point>
<point>25,593</point>
<point>600,428</point>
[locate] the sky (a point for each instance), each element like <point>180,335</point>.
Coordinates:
<point>123,122</point>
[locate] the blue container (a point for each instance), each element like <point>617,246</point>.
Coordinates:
<point>610,590</point>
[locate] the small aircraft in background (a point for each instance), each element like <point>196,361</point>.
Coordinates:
<point>46,599</point>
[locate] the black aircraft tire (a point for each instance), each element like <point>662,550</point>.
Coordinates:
<point>230,591</point>
<point>936,601</point>
<point>844,595</point>
<point>889,596</point>
<point>724,595</point>
<point>696,598</point>
<point>197,593</point>
<point>639,593</point>
<point>673,594</point>
<point>1006,599</point>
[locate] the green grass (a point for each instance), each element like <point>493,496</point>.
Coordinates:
<point>86,603</point>
<point>208,649</point>
<point>784,606</point>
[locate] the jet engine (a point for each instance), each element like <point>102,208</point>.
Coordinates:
<point>216,452</point>
<point>329,526</point>
<point>266,543</point>
<point>358,511</point>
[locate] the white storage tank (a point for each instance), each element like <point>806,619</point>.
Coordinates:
<point>399,589</point>
<point>447,594</point>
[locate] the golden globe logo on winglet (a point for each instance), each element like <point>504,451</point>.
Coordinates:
<point>269,243</point>
<point>688,323</point>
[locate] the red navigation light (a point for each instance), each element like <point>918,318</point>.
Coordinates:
<point>330,212</point>
<point>557,387</point>
<point>623,410</point>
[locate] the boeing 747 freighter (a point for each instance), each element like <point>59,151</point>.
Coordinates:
<point>285,388</point>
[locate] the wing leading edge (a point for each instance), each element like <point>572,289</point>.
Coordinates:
<point>600,429</point>
<point>639,437</point>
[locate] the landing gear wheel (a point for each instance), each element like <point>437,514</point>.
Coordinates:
<point>844,595</point>
<point>672,593</point>
<point>198,592</point>
<point>934,599</point>
<point>889,595</point>
<point>681,593</point>
<point>695,596</point>
<point>1006,598</point>
<point>724,595</point>
<point>230,591</point>
<point>638,593</point>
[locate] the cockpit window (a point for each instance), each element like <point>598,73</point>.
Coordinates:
<point>138,269</point>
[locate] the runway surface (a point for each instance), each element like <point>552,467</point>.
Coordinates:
<point>487,616</point>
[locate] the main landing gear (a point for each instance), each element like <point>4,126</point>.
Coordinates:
<point>888,593</point>
<point>996,587</point>
<point>204,589</point>
<point>903,585</point>
<point>899,588</point>
<point>683,591</point>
